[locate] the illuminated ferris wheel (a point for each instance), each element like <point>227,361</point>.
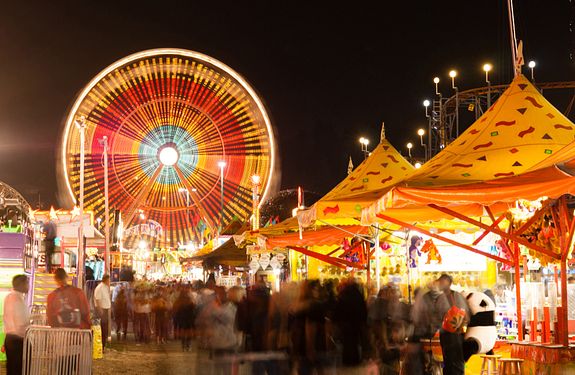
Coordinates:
<point>177,123</point>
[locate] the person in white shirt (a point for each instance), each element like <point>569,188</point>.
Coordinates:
<point>103,304</point>
<point>16,320</point>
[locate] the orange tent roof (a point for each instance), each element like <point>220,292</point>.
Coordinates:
<point>321,237</point>
<point>521,129</point>
<point>384,168</point>
<point>521,133</point>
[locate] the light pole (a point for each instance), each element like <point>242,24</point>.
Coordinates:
<point>80,123</point>
<point>453,74</point>
<point>531,66</point>
<point>426,104</point>
<point>364,143</point>
<point>106,207</point>
<point>421,133</point>
<point>222,165</point>
<point>487,68</point>
<point>436,81</point>
<point>409,147</point>
<point>256,202</point>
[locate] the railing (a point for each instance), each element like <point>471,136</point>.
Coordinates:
<point>38,315</point>
<point>57,351</point>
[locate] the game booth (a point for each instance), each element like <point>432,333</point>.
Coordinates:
<point>510,177</point>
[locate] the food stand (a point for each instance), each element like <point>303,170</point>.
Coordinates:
<point>515,165</point>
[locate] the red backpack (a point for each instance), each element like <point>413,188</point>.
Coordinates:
<point>453,319</point>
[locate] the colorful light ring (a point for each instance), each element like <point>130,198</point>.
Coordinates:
<point>170,98</point>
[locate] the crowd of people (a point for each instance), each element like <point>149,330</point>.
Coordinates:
<point>309,326</point>
<point>306,327</point>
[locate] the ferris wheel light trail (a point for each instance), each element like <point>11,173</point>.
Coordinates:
<point>171,116</point>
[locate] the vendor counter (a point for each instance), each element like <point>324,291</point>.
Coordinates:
<point>545,359</point>
<point>538,358</point>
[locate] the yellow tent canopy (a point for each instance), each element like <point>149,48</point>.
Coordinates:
<point>384,168</point>
<point>522,132</point>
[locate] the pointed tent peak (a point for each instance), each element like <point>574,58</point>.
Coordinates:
<point>382,135</point>
<point>350,166</point>
<point>382,168</point>
<point>522,126</point>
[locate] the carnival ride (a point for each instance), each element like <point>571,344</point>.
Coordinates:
<point>185,134</point>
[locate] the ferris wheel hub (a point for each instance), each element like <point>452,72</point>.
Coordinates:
<point>168,155</point>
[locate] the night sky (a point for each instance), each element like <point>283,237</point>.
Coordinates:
<point>328,74</point>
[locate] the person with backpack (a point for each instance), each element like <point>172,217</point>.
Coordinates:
<point>454,312</point>
<point>68,306</point>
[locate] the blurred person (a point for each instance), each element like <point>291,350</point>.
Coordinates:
<point>221,337</point>
<point>184,313</point>
<point>451,342</point>
<point>141,317</point>
<point>308,329</point>
<point>50,232</point>
<point>67,306</point>
<point>121,312</point>
<point>103,304</point>
<point>253,320</point>
<point>160,313</point>
<point>351,322</point>
<point>16,319</point>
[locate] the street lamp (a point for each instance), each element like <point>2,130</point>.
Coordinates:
<point>426,104</point>
<point>409,147</point>
<point>256,201</point>
<point>417,165</point>
<point>421,133</point>
<point>487,68</point>
<point>453,74</point>
<point>364,143</point>
<point>436,81</point>
<point>531,66</point>
<point>80,123</point>
<point>221,165</point>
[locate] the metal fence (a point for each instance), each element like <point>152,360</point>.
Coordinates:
<point>58,351</point>
<point>38,315</point>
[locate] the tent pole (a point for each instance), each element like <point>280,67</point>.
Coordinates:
<point>516,257</point>
<point>564,335</point>
<point>377,265</point>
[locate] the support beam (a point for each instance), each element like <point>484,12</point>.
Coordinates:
<point>533,218</point>
<point>497,231</point>
<point>327,259</point>
<point>485,233</point>
<point>517,263</point>
<point>444,239</point>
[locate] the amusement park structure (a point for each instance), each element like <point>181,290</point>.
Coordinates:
<point>184,136</point>
<point>446,112</point>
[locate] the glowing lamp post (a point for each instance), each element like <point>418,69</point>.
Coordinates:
<point>487,68</point>
<point>409,147</point>
<point>364,143</point>
<point>81,125</point>
<point>421,133</point>
<point>256,201</point>
<point>221,165</point>
<point>531,66</point>
<point>453,74</point>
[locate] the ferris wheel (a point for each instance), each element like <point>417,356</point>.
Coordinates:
<point>185,135</point>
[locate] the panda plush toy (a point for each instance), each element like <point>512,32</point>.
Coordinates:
<point>481,332</point>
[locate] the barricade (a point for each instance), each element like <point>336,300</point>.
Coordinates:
<point>38,315</point>
<point>58,351</point>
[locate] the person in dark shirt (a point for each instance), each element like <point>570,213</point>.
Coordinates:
<point>50,230</point>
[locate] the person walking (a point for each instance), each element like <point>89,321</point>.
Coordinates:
<point>16,320</point>
<point>67,306</point>
<point>121,312</point>
<point>103,304</point>
<point>452,308</point>
<point>50,232</point>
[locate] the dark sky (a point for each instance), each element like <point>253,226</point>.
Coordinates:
<point>328,74</point>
